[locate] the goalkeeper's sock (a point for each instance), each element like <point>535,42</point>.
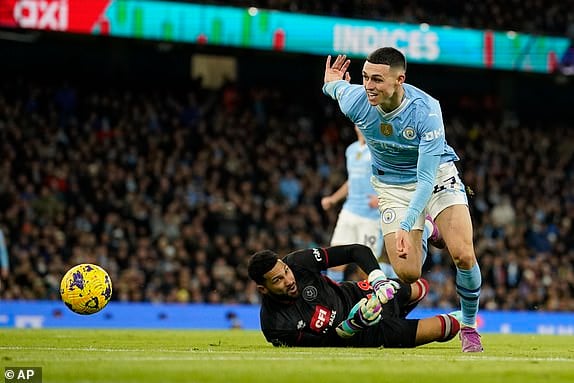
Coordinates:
<point>423,289</point>
<point>468,288</point>
<point>449,327</point>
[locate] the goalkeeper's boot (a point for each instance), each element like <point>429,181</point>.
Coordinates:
<point>470,339</point>
<point>435,238</point>
<point>423,286</point>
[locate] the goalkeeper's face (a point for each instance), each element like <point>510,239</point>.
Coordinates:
<point>280,282</point>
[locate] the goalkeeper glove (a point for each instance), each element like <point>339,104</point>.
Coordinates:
<point>364,314</point>
<point>383,288</point>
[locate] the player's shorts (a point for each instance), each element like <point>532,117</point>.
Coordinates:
<point>352,228</point>
<point>394,200</point>
<point>389,332</point>
<point>398,332</point>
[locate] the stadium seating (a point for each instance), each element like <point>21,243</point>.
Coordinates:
<point>171,189</point>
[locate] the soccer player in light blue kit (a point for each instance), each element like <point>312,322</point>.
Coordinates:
<point>4,261</point>
<point>359,218</point>
<point>413,172</point>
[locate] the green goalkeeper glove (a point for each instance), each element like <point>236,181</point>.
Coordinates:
<point>364,314</point>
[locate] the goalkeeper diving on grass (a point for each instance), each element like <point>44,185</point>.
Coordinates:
<point>302,307</point>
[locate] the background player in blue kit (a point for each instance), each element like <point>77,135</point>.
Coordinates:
<point>413,171</point>
<point>359,218</point>
<point>4,261</point>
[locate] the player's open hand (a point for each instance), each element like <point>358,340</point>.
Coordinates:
<point>337,71</point>
<point>403,243</point>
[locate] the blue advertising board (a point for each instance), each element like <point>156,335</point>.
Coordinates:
<point>51,314</point>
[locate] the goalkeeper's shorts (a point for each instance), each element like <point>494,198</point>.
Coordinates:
<point>399,333</point>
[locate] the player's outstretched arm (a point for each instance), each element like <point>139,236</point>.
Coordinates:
<point>330,200</point>
<point>355,253</point>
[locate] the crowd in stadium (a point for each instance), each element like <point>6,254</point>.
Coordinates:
<point>171,194</point>
<point>532,16</point>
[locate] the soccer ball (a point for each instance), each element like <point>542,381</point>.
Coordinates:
<point>86,288</point>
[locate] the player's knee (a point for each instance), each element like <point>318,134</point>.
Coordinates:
<point>409,275</point>
<point>465,262</point>
<point>463,257</point>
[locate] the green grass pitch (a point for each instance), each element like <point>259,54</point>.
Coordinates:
<point>244,356</point>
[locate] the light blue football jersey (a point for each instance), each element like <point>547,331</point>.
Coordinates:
<point>395,139</point>
<point>359,173</point>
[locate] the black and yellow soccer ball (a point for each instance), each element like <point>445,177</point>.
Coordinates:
<point>86,288</point>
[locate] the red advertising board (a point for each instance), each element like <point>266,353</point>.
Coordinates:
<point>56,15</point>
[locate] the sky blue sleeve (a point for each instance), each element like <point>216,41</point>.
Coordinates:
<point>331,88</point>
<point>352,99</point>
<point>427,167</point>
<point>4,263</point>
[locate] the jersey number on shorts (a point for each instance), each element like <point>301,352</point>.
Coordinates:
<point>449,183</point>
<point>370,240</point>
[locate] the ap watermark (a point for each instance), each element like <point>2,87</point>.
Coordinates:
<point>22,374</point>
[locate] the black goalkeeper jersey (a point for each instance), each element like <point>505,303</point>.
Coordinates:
<point>311,319</point>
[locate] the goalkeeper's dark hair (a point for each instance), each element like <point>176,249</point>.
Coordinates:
<point>388,56</point>
<point>261,263</point>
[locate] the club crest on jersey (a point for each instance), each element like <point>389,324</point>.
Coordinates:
<point>409,133</point>
<point>388,215</point>
<point>310,293</point>
<point>386,129</point>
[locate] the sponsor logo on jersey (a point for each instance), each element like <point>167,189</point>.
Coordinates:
<point>409,133</point>
<point>389,215</point>
<point>386,129</point>
<point>310,293</point>
<point>317,255</point>
<point>300,324</point>
<point>322,319</point>
<point>429,136</point>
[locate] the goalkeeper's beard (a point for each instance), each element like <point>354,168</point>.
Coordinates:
<point>286,296</point>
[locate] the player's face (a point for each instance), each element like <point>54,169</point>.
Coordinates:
<point>280,282</point>
<point>381,83</point>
